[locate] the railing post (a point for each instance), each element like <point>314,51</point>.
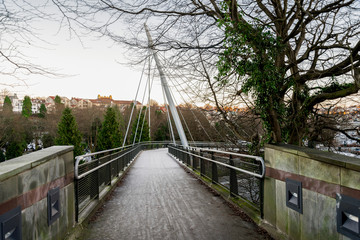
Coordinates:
<point>182,155</point>
<point>109,172</point>
<point>202,165</point>
<point>97,182</point>
<point>179,153</point>
<point>127,157</point>
<point>187,154</point>
<point>193,160</point>
<point>234,191</point>
<point>122,165</point>
<point>117,164</point>
<point>214,173</point>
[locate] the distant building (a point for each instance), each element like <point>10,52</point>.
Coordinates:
<point>101,101</point>
<point>81,103</point>
<point>104,102</point>
<point>36,104</point>
<point>16,103</point>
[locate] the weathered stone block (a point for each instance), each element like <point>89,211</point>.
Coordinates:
<point>350,178</point>
<point>282,161</point>
<point>269,155</point>
<point>34,221</point>
<point>327,218</point>
<point>56,168</point>
<point>318,170</point>
<point>70,201</point>
<point>33,178</point>
<point>12,168</point>
<point>8,189</point>
<point>270,200</point>
<point>69,162</point>
<point>310,217</point>
<point>282,214</point>
<point>294,224</point>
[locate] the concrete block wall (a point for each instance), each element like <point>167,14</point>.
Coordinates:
<point>25,182</point>
<point>323,175</point>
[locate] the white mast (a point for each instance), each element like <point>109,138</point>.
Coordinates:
<point>173,110</point>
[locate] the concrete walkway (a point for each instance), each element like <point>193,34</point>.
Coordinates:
<point>159,200</point>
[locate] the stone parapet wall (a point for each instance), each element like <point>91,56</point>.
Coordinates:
<point>323,176</point>
<point>26,181</point>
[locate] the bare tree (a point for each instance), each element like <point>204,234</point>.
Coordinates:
<point>17,34</point>
<point>285,56</point>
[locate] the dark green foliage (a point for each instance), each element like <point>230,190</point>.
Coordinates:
<point>57,99</point>
<point>47,140</point>
<point>334,86</point>
<point>43,111</point>
<point>109,135</point>
<point>95,128</point>
<point>59,107</point>
<point>26,108</point>
<point>68,133</point>
<point>7,107</point>
<point>15,149</point>
<point>162,133</point>
<point>250,53</point>
<point>142,134</point>
<point>17,131</point>
<point>2,156</point>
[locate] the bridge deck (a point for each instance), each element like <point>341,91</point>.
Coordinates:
<point>159,200</point>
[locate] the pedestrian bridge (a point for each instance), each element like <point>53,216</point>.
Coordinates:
<point>166,191</point>
<point>159,200</point>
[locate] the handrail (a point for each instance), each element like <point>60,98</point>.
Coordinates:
<point>76,172</point>
<point>260,159</point>
<point>81,157</point>
<point>115,149</point>
<point>257,158</point>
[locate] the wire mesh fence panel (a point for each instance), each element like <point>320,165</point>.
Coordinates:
<point>223,176</point>
<point>87,188</point>
<point>114,169</point>
<point>240,174</point>
<point>208,167</point>
<point>249,188</point>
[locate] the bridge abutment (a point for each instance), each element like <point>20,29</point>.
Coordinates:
<point>37,194</point>
<point>302,192</point>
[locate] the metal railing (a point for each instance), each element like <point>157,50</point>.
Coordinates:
<point>242,175</point>
<point>96,171</point>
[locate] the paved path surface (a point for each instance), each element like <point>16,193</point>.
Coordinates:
<point>159,200</point>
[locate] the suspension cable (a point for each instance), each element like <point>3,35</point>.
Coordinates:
<point>143,123</point>
<point>194,92</point>
<point>193,102</point>
<point>195,117</point>
<point>134,104</point>
<point>182,116</point>
<point>137,124</point>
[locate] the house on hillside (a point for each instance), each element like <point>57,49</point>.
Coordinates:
<point>80,103</point>
<point>50,102</point>
<point>16,103</point>
<point>108,101</point>
<point>36,104</point>
<point>84,103</point>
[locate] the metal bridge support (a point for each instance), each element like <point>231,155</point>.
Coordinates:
<point>165,86</point>
<point>214,172</point>
<point>234,191</point>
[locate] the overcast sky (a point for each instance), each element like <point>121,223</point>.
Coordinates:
<point>92,68</point>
